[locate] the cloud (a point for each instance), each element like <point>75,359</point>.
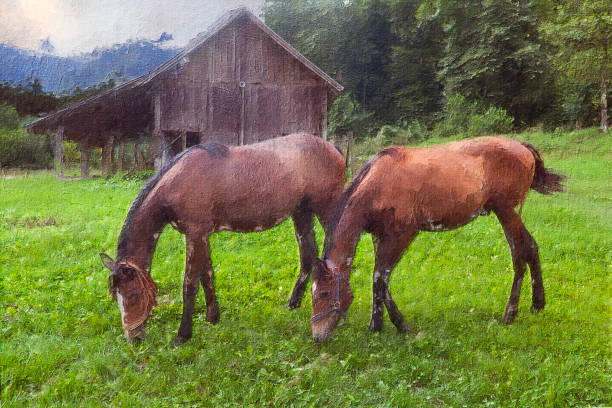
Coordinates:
<point>16,27</point>
<point>75,26</point>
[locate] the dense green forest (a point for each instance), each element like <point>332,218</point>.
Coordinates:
<point>423,63</point>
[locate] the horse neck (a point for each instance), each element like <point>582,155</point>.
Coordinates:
<point>140,233</point>
<point>345,237</point>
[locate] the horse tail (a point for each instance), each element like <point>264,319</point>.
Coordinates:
<point>346,195</point>
<point>545,181</point>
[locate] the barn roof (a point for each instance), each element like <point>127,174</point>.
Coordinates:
<point>121,109</point>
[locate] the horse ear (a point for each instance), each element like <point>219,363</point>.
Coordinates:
<point>107,261</point>
<point>319,268</point>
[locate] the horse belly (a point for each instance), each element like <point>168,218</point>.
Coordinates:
<point>253,223</point>
<point>451,221</point>
<point>252,214</point>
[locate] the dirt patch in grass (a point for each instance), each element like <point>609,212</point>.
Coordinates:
<point>32,222</point>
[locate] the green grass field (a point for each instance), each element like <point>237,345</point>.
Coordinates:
<point>62,342</point>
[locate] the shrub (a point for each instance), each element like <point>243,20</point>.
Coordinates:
<point>72,154</point>
<point>345,116</point>
<point>493,120</point>
<point>414,132</point>
<point>466,118</point>
<point>9,119</point>
<point>19,148</point>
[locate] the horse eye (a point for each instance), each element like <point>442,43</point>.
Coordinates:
<point>133,297</point>
<point>324,294</point>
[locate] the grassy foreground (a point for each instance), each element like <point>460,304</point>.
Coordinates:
<point>62,342</point>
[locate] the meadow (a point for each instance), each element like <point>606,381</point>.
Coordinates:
<point>62,343</point>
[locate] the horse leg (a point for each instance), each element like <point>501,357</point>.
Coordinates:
<point>303,223</point>
<point>207,280</point>
<point>531,255</point>
<point>389,250</point>
<point>194,261</point>
<point>523,249</point>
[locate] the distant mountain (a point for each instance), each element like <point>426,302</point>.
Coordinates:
<point>60,75</point>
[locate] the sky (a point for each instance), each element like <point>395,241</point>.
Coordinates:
<point>76,26</point>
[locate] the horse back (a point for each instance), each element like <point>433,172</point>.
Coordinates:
<point>251,187</point>
<point>446,186</point>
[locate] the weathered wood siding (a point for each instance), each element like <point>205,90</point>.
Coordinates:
<point>203,94</point>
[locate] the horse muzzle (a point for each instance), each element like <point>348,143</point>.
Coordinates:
<point>322,330</point>
<point>135,335</point>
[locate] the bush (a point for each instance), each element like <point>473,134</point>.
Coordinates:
<point>414,132</point>
<point>466,118</point>
<point>19,148</point>
<point>345,116</point>
<point>492,121</point>
<point>9,119</point>
<point>72,154</point>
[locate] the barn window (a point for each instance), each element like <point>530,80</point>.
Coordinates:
<point>173,143</point>
<point>193,138</point>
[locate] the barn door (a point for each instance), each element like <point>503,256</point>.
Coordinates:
<point>225,108</point>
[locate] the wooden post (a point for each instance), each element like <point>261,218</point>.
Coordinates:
<point>242,85</point>
<point>120,155</point>
<point>158,136</point>
<point>349,148</point>
<point>59,151</point>
<point>183,140</point>
<point>107,152</point>
<point>84,147</point>
<point>113,164</point>
<point>166,152</point>
<point>139,162</point>
<point>324,115</point>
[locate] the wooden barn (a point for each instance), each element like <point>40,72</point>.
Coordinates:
<point>236,83</point>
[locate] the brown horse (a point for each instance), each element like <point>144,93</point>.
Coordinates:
<point>402,191</point>
<point>212,187</point>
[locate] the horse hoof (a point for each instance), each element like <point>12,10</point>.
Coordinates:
<point>404,328</point>
<point>536,308</point>
<point>293,304</point>
<point>508,318</point>
<point>212,317</point>
<point>375,327</point>
<point>179,340</point>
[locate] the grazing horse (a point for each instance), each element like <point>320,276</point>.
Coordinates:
<point>404,190</point>
<point>212,187</point>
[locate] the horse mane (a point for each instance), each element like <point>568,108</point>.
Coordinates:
<point>214,149</point>
<point>346,195</point>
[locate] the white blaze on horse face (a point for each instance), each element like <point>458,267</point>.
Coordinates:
<point>314,286</point>
<point>120,303</point>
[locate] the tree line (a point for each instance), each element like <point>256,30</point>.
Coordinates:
<point>537,62</point>
<point>441,65</point>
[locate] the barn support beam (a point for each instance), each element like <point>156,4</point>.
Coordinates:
<point>84,148</point>
<point>242,112</point>
<point>166,150</point>
<point>107,153</point>
<point>120,157</point>
<point>349,151</point>
<point>59,151</point>
<point>324,115</point>
<point>183,140</point>
<point>159,144</point>
<point>138,158</point>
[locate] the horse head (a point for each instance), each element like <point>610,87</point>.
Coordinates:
<point>331,298</point>
<point>134,291</point>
